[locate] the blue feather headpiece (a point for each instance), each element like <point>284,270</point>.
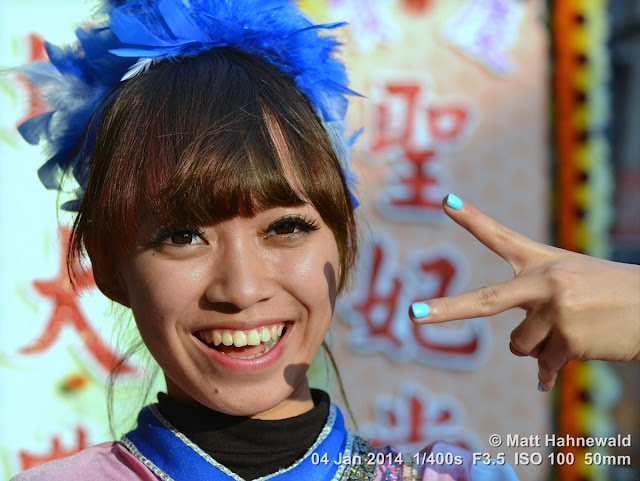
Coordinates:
<point>139,33</point>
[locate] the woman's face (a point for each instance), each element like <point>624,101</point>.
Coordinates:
<point>262,288</point>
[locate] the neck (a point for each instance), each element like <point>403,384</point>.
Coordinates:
<point>299,402</point>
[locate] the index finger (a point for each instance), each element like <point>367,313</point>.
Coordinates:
<point>513,247</point>
<point>484,302</point>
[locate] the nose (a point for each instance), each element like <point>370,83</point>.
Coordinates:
<point>242,276</point>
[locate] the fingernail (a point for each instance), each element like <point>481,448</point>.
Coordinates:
<point>540,388</point>
<point>454,201</point>
<point>420,310</point>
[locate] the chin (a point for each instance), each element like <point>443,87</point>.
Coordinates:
<point>259,397</point>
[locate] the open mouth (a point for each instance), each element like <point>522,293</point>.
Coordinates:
<point>247,344</point>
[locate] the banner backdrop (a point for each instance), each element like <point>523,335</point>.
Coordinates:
<point>454,99</point>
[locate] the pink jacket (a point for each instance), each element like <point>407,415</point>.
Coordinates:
<point>112,461</point>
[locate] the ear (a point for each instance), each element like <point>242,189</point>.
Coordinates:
<point>113,287</point>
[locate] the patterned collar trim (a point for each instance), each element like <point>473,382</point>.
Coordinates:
<point>154,428</point>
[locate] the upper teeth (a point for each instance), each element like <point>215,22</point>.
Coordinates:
<point>252,337</point>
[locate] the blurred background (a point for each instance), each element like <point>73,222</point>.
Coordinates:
<point>529,109</point>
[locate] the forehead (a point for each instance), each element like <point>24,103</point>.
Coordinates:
<point>201,143</point>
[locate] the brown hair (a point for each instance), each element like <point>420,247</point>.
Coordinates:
<point>201,139</point>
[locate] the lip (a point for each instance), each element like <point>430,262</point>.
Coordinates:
<point>247,365</point>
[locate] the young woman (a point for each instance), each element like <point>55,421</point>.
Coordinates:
<point>215,202</point>
<point>207,138</point>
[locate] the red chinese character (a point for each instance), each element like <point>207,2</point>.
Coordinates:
<point>377,308</point>
<point>66,312</point>
<point>395,116</point>
<point>415,130</point>
<point>376,302</point>
<point>468,343</point>
<point>415,417</point>
<point>29,460</point>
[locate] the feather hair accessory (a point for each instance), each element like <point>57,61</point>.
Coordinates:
<point>77,80</point>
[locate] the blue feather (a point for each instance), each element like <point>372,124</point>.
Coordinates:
<point>79,76</point>
<point>132,31</point>
<point>32,129</point>
<point>71,205</point>
<point>178,21</point>
<point>51,171</point>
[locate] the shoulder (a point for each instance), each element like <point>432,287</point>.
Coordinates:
<point>106,461</point>
<point>439,461</point>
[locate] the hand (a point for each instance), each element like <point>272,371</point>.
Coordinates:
<point>577,307</point>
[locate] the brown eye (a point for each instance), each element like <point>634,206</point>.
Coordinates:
<point>181,238</point>
<point>291,227</point>
<point>284,229</point>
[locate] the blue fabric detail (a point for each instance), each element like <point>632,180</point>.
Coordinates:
<point>156,442</point>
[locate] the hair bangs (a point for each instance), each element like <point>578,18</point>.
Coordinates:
<point>227,172</point>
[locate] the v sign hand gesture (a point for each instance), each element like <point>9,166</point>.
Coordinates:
<point>576,306</point>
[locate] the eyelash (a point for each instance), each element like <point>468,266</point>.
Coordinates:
<point>164,233</point>
<point>303,224</point>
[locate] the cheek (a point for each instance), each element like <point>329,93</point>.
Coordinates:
<point>157,291</point>
<point>312,278</point>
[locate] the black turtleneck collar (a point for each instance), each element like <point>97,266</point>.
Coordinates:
<point>251,448</point>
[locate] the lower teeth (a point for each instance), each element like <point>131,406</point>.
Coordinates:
<point>267,347</point>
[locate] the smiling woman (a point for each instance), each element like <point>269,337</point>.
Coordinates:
<point>190,259</point>
<point>229,283</point>
<point>207,137</point>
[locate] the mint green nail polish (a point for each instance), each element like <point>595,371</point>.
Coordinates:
<point>454,201</point>
<point>420,310</point>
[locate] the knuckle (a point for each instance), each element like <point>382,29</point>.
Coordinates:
<point>442,307</point>
<point>563,302</point>
<point>558,277</point>
<point>502,234</point>
<point>486,297</point>
<point>519,342</point>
